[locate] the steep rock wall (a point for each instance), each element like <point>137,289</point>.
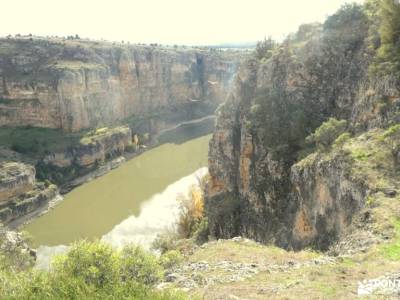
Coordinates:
<point>15,179</point>
<point>256,189</point>
<point>76,84</point>
<point>96,148</point>
<point>20,193</point>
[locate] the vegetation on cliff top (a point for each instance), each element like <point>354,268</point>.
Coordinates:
<point>36,142</point>
<point>388,54</point>
<point>89,270</point>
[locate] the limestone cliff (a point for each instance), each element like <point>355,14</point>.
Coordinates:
<point>15,179</point>
<point>20,193</point>
<point>259,186</point>
<point>92,151</point>
<point>73,84</point>
<point>93,148</point>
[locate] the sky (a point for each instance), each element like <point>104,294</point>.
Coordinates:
<point>189,22</point>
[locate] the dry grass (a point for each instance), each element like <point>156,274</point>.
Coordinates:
<point>249,252</point>
<point>337,280</point>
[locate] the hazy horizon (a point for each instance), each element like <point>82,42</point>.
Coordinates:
<point>166,22</point>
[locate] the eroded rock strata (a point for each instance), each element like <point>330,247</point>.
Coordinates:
<point>21,194</point>
<point>73,84</point>
<point>260,187</point>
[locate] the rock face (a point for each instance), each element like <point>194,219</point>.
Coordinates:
<point>94,148</point>
<point>259,187</point>
<point>77,84</point>
<point>15,179</point>
<point>326,198</point>
<point>20,193</point>
<point>94,151</point>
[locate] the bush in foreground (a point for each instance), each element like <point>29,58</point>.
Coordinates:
<point>90,270</point>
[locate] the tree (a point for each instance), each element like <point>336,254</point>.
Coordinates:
<point>346,29</point>
<point>388,56</point>
<point>327,133</point>
<point>264,49</point>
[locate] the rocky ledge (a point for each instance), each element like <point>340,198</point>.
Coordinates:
<point>21,193</point>
<point>94,153</point>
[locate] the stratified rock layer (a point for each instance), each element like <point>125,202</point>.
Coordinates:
<point>15,179</point>
<point>20,193</point>
<point>80,84</point>
<point>258,188</point>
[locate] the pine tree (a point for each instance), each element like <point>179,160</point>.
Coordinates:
<point>388,56</point>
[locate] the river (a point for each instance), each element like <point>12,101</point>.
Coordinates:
<point>130,203</point>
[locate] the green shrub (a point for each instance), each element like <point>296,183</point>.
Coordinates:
<point>91,270</point>
<point>387,58</point>
<point>95,263</point>
<point>165,242</point>
<point>328,132</point>
<point>14,257</point>
<point>392,132</point>
<point>201,232</point>
<point>265,48</point>
<point>342,139</point>
<point>392,135</point>
<point>140,266</point>
<point>281,123</point>
<point>171,259</point>
<point>336,34</point>
<point>172,241</point>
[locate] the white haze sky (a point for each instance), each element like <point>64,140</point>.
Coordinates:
<point>163,21</point>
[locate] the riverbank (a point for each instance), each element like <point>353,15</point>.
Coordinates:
<point>94,208</point>
<point>41,210</point>
<point>156,141</point>
<point>175,134</point>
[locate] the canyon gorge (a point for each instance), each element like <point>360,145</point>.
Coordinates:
<point>92,102</point>
<point>271,172</point>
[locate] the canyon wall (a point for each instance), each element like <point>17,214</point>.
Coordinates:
<point>74,84</point>
<point>259,187</point>
<point>93,148</point>
<point>20,193</point>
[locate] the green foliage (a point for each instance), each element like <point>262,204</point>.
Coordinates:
<point>281,123</point>
<point>393,136</point>
<point>92,270</point>
<point>171,259</point>
<point>393,132</point>
<point>225,215</point>
<point>14,255</point>
<point>140,266</point>
<point>388,55</point>
<point>94,263</point>
<point>359,154</point>
<point>165,242</point>
<point>201,231</point>
<point>327,133</point>
<point>171,241</point>
<point>265,48</point>
<point>56,174</point>
<point>371,10</point>
<point>347,28</point>
<point>342,139</point>
<point>37,141</point>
